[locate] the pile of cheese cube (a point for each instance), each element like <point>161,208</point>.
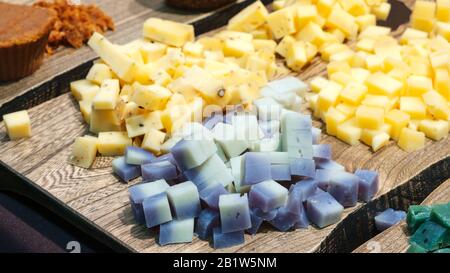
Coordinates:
<point>388,89</point>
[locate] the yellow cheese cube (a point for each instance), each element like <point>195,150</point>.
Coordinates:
<point>84,151</point>
<point>344,56</point>
<point>282,22</point>
<point>341,78</point>
<point>333,118</point>
<point>318,83</point>
<point>193,49</point>
<point>369,117</point>
<point>442,82</point>
<point>234,35</point>
<point>334,67</point>
<point>439,59</point>
<point>86,110</point>
<point>437,105</point>
<point>375,138</point>
<point>328,96</point>
<point>17,125</point>
<point>365,21</point>
<point>296,56</point>
<point>98,73</point>
<point>414,124</point>
<point>414,107</point>
<point>113,143</point>
<point>126,92</point>
<point>376,101</point>
<point>420,66</point>
<point>359,60</point>
<point>338,34</point>
<point>388,47</point>
<point>175,117</point>
<point>359,75</point>
<point>249,18</point>
<point>141,124</point>
<point>443,10</point>
<point>278,4</point>
<point>353,93</point>
<point>411,140</point>
<point>151,97</point>
<point>412,34</point>
<point>237,48</point>
<point>284,44</point>
<point>374,63</point>
<point>152,51</point>
<point>211,43</point>
<point>434,129</point>
<point>416,86</point>
<point>129,109</point>
<point>381,84</point>
<point>349,132</point>
<point>422,17</point>
<point>310,50</point>
<point>313,102</point>
<point>312,33</point>
<point>366,44</point>
<point>83,90</point>
<point>443,29</point>
<point>398,120</point>
<point>264,45</point>
<point>324,7</point>
<point>374,32</point>
<point>305,14</point>
<point>106,98</point>
<point>347,109</point>
<point>153,140</point>
<point>391,63</point>
<point>382,11</point>
<point>104,121</point>
<point>342,20</point>
<point>168,32</point>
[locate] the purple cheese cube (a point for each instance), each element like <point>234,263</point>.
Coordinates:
<point>316,135</point>
<point>323,210</point>
<point>192,153</point>
<point>295,121</point>
<point>207,220</point>
<point>267,195</point>
<point>303,167</point>
<point>256,223</point>
<point>323,177</point>
<point>176,231</point>
<point>256,168</point>
<point>284,220</point>
<point>234,212</point>
<point>210,195</point>
<point>281,172</point>
<point>302,220</point>
<point>212,171</point>
<point>156,210</point>
<point>388,218</point>
<point>344,188</point>
<point>227,239</point>
<point>125,171</point>
<point>322,151</point>
<point>141,191</point>
<point>267,216</point>
<point>184,200</point>
<point>368,184</point>
<point>138,156</point>
<point>165,157</point>
<point>212,120</point>
<point>304,188</point>
<point>159,170</point>
<point>329,165</point>
<point>295,206</point>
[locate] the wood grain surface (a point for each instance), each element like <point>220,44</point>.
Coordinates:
<point>395,239</point>
<point>100,198</point>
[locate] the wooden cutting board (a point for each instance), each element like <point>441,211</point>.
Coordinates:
<point>395,239</point>
<point>97,202</point>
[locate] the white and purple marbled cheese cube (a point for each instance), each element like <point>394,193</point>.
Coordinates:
<point>323,210</point>
<point>176,231</point>
<point>322,151</point>
<point>344,188</point>
<point>267,195</point>
<point>368,184</point>
<point>329,165</point>
<point>316,135</point>
<point>256,168</point>
<point>284,220</point>
<point>184,200</point>
<point>303,167</point>
<point>267,216</point>
<point>289,84</point>
<point>138,156</point>
<point>141,191</point>
<point>124,171</point>
<point>293,121</point>
<point>295,206</point>
<point>227,239</point>
<point>225,135</point>
<point>280,172</point>
<point>210,195</point>
<point>192,153</point>
<point>156,210</point>
<point>212,120</point>
<point>304,188</point>
<point>323,178</point>
<point>388,218</point>
<point>234,212</point>
<point>256,223</point>
<point>159,170</point>
<point>212,171</point>
<point>207,221</point>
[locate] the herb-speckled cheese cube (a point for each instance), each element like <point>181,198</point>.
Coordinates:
<point>168,32</point>
<point>84,151</point>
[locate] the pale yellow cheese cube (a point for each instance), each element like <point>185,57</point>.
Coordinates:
<point>434,129</point>
<point>168,32</point>
<point>106,98</point>
<point>83,90</point>
<point>439,59</point>
<point>437,105</point>
<point>412,34</point>
<point>375,138</point>
<point>414,107</point>
<point>442,82</point>
<point>151,97</point>
<point>398,120</point>
<point>443,10</point>
<point>98,73</point>
<point>237,48</point>
<point>278,4</point>
<point>86,110</point>
<point>354,7</point>
<point>126,92</point>
<point>411,140</point>
<point>284,44</point>
<point>17,125</point>
<point>344,56</point>
<point>312,101</point>
<point>333,118</point>
<point>318,83</point>
<point>338,35</point>
<point>369,117</point>
<point>382,11</point>
<point>334,67</point>
<point>381,84</point>
<point>324,7</point>
<point>104,121</point>
<point>443,29</point>
<point>342,78</point>
<point>353,93</point>
<point>365,21</point>
<point>296,56</point>
<point>344,21</point>
<point>388,47</point>
<point>359,75</point>
<point>264,45</point>
<point>305,14</point>
<point>129,109</point>
<point>312,33</point>
<point>374,63</point>
<point>249,18</point>
<point>153,140</point>
<point>282,22</point>
<point>359,60</point>
<point>141,124</point>
<point>391,63</point>
<point>347,109</point>
<point>211,43</point>
<point>175,117</point>
<point>113,143</point>
<point>152,51</point>
<point>423,15</point>
<point>414,124</point>
<point>193,49</point>
<point>374,32</point>
<point>84,151</point>
<point>416,86</point>
<point>366,44</point>
<point>376,101</point>
<point>349,132</point>
<point>328,96</point>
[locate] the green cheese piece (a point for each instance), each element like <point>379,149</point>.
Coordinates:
<point>416,216</point>
<point>415,248</point>
<point>431,236</point>
<point>441,214</point>
<point>444,250</point>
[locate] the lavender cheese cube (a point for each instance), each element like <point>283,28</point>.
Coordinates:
<point>280,172</point>
<point>192,153</point>
<point>284,220</point>
<point>289,85</point>
<point>125,171</point>
<point>256,168</point>
<point>344,188</point>
<point>298,143</point>
<point>388,218</point>
<point>267,216</point>
<point>303,167</point>
<point>165,157</point>
<point>304,188</point>
<point>322,151</point>
<point>302,219</point>
<point>329,165</point>
<point>295,206</point>
<point>141,191</point>
<point>277,158</point>
<point>207,221</point>
<point>267,195</point>
<point>368,184</point>
<point>159,170</point>
<point>295,121</point>
<point>234,212</point>
<point>156,210</point>
<point>316,135</point>
<point>212,120</point>
<point>176,231</point>
<point>138,156</point>
<point>212,171</point>
<point>227,239</point>
<point>210,195</point>
<point>256,223</point>
<point>323,210</point>
<point>184,200</point>
<point>323,178</point>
